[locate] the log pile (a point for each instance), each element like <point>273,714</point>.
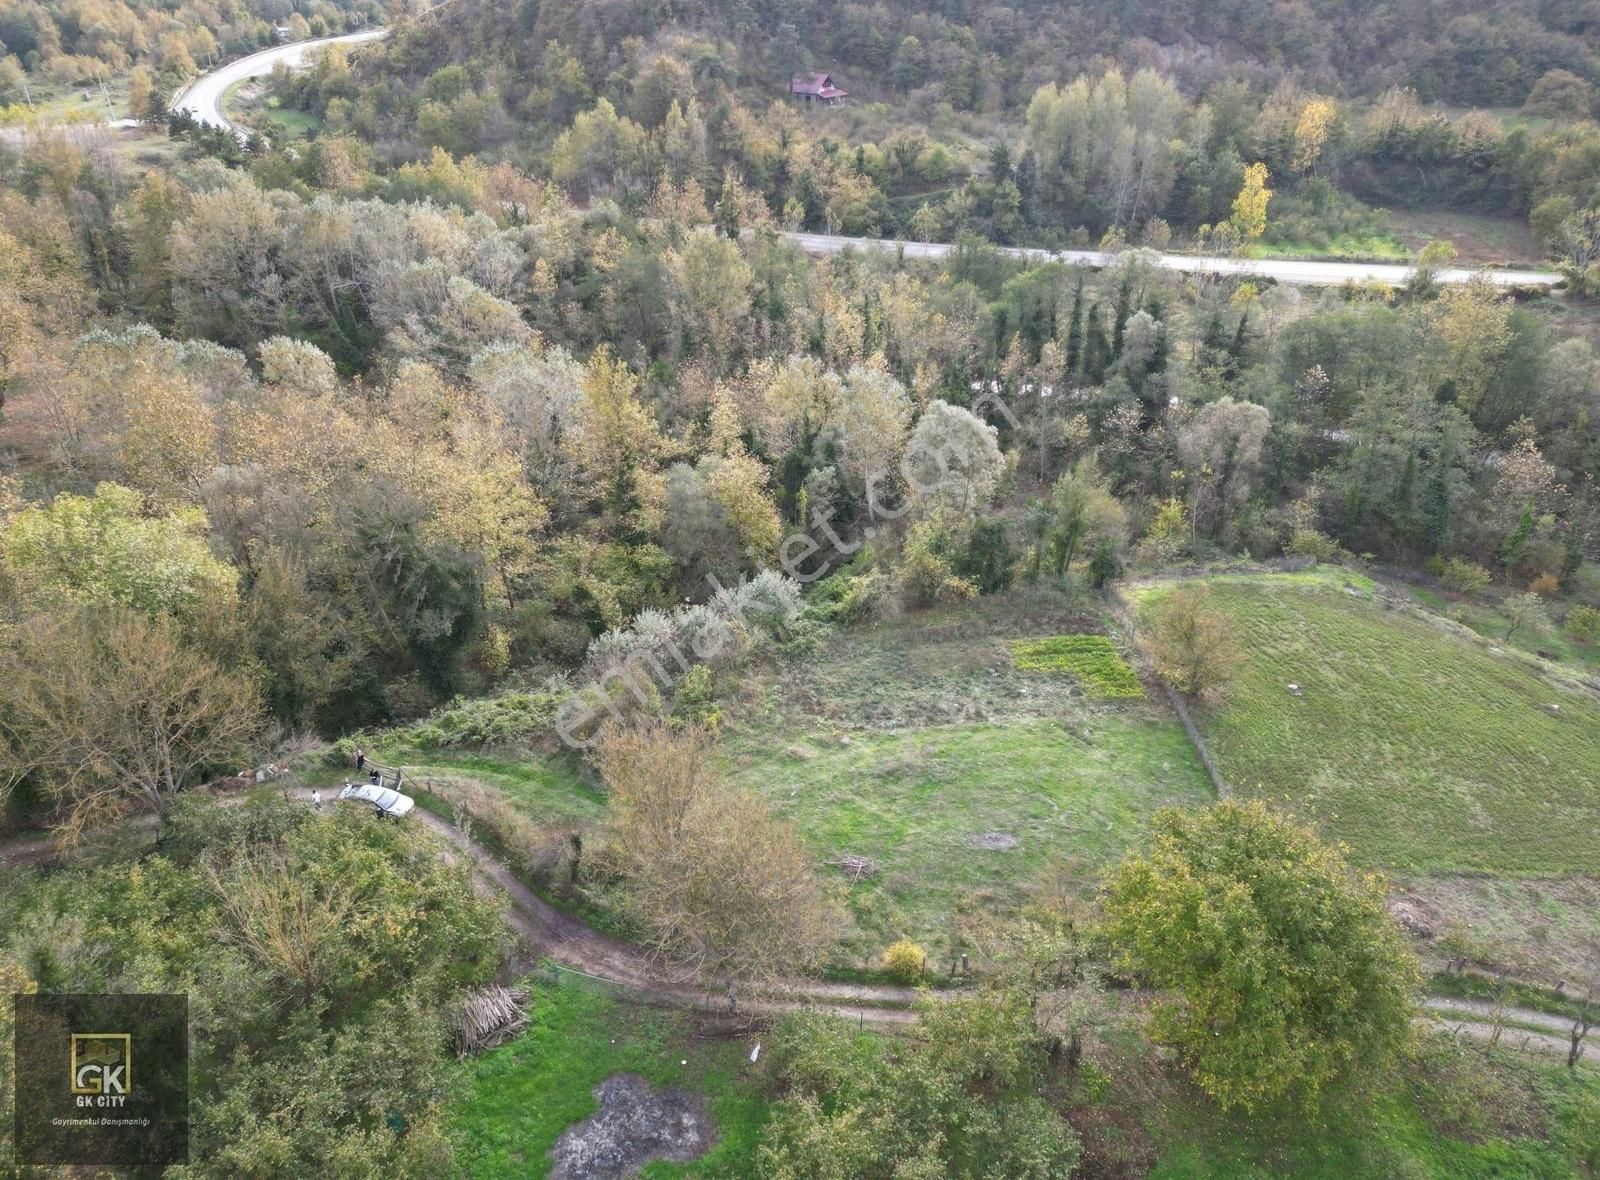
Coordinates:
<point>487,1017</point>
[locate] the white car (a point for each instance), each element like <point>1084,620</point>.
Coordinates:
<point>388,802</point>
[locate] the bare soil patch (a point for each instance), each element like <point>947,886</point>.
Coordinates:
<point>636,1124</point>
<point>995,841</point>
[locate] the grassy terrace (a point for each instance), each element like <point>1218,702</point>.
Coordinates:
<point>546,788</point>
<point>1421,747</point>
<point>968,820</point>
<point>972,782</point>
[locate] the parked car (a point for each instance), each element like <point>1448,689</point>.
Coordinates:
<point>387,801</point>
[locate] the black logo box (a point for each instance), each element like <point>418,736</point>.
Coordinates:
<point>100,1114</point>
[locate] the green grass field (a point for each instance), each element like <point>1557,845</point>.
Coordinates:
<point>1418,746</point>
<point>973,783</point>
<point>1346,247</point>
<point>546,788</point>
<point>939,808</point>
<point>515,1101</point>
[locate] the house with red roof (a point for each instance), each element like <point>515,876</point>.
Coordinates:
<point>818,87</point>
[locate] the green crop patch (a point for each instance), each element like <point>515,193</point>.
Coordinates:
<point>1092,660</point>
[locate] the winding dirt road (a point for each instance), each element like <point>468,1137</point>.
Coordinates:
<point>567,941</point>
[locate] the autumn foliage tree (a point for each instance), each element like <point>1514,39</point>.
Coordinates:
<point>1281,970</point>
<point>106,710</point>
<point>1193,645</point>
<point>722,888</point>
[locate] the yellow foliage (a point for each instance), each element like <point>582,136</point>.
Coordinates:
<point>905,961</point>
<point>1311,132</point>
<point>1250,206</point>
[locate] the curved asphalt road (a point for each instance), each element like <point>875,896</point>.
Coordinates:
<point>1307,274</point>
<point>203,100</point>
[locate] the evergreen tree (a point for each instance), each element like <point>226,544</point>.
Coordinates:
<point>1075,331</point>
<point>1515,547</point>
<point>1096,348</point>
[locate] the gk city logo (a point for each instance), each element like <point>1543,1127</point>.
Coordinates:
<point>102,1065</point>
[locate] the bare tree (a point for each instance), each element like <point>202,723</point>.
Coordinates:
<point>1581,1024</point>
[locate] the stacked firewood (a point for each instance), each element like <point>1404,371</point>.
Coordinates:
<point>487,1017</point>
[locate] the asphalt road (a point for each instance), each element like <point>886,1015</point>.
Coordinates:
<point>1311,274</point>
<point>203,99</point>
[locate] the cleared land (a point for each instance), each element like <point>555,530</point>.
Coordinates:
<point>1421,746</point>
<point>972,783</point>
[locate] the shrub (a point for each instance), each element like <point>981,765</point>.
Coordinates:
<point>1104,565</point>
<point>1168,536</point>
<point>1464,577</point>
<point>1583,624</point>
<point>852,1107</point>
<point>856,598</point>
<point>1306,542</point>
<point>926,575</point>
<point>508,719</point>
<point>721,887</point>
<point>905,961</point>
<point>695,702</point>
<point>1194,646</point>
<point>1545,586</point>
<point>1091,659</point>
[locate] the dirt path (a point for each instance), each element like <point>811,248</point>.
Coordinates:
<point>17,853</point>
<point>571,943</point>
<point>1475,1019</point>
<point>575,946</point>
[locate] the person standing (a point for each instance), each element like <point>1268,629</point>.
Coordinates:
<point>316,799</point>
<point>361,759</point>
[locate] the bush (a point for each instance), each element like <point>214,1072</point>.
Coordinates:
<point>848,597</point>
<point>926,575</point>
<point>695,702</point>
<point>1194,647</point>
<point>1311,543</point>
<point>721,887</point>
<point>1104,565</point>
<point>1464,577</point>
<point>508,719</point>
<point>1583,624</point>
<point>905,961</point>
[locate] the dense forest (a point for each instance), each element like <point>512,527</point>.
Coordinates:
<point>1019,124</point>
